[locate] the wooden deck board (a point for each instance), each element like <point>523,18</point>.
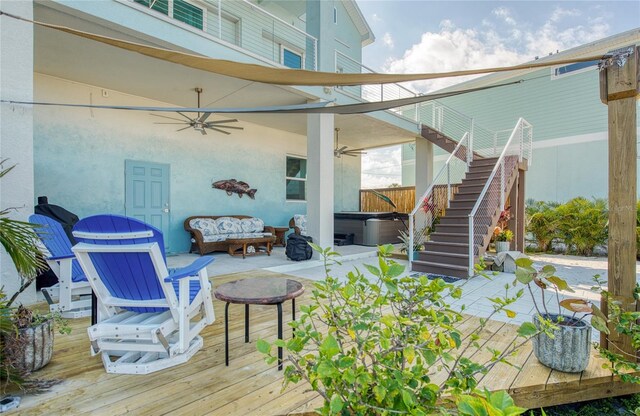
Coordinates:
<point>204,385</point>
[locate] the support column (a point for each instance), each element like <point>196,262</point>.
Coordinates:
<point>619,89</point>
<point>320,182</point>
<point>424,165</point>
<point>16,128</point>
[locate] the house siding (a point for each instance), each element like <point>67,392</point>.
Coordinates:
<point>569,129</point>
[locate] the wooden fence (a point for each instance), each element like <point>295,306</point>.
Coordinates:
<point>404,197</point>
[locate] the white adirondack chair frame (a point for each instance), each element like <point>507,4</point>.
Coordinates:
<point>74,300</point>
<point>142,343</point>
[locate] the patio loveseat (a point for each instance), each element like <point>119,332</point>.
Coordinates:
<point>228,233</point>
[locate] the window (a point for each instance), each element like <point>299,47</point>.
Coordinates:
<point>181,10</point>
<point>335,15</point>
<point>291,59</point>
<point>161,6</point>
<point>572,68</point>
<point>296,178</point>
<point>188,13</point>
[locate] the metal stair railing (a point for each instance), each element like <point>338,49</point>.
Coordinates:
<point>429,206</point>
<point>493,193</point>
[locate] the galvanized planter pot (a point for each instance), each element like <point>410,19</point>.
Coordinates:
<point>32,348</point>
<point>502,246</point>
<point>569,350</point>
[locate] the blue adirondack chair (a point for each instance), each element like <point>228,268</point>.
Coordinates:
<point>148,318</point>
<point>71,295</point>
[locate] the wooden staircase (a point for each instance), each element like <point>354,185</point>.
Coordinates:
<point>447,252</point>
<point>443,141</point>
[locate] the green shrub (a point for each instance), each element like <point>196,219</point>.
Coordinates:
<point>582,224</point>
<point>369,346</point>
<point>542,222</point>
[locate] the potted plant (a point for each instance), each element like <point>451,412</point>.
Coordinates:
<point>503,240</point>
<point>564,339</point>
<point>418,243</point>
<point>27,337</point>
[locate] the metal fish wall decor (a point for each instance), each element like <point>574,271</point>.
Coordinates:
<point>231,186</point>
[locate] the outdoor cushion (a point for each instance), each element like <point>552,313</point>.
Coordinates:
<point>252,225</point>
<point>206,226</point>
<point>214,238</point>
<point>301,222</point>
<point>228,225</point>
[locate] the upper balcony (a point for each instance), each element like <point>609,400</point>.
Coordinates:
<point>244,25</point>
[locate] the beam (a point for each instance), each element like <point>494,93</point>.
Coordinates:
<point>619,89</point>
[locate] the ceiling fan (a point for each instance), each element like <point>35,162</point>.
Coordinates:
<point>339,151</point>
<point>199,122</point>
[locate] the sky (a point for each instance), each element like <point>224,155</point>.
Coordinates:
<point>438,36</point>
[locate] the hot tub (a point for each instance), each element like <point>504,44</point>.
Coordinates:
<point>371,228</point>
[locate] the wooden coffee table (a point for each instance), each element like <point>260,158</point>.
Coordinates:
<point>258,291</point>
<point>260,244</point>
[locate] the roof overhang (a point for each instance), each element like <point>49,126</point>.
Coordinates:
<point>358,19</point>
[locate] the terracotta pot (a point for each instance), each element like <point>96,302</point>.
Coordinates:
<point>569,350</point>
<point>32,348</point>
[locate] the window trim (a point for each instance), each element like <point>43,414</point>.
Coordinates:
<point>555,75</point>
<point>286,178</point>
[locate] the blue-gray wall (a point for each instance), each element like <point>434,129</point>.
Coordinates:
<point>79,159</point>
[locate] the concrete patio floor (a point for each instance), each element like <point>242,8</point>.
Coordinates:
<point>577,271</point>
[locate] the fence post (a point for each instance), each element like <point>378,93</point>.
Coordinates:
<point>470,146</point>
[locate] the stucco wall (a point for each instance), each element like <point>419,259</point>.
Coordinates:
<point>80,154</point>
<point>16,125</point>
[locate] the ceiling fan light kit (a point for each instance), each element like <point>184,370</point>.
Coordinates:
<point>199,122</point>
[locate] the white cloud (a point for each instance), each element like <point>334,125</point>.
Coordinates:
<point>387,39</point>
<point>453,48</point>
<point>381,167</point>
<point>375,18</point>
<point>505,14</point>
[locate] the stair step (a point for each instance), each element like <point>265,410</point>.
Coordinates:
<point>481,168</point>
<point>462,203</point>
<point>439,268</point>
<point>468,194</point>
<point>470,188</point>
<point>478,175</point>
<point>453,228</point>
<point>453,219</point>
<point>484,162</point>
<point>456,259</point>
<point>449,237</point>
<point>440,237</point>
<point>457,212</point>
<point>474,181</point>
<point>443,246</point>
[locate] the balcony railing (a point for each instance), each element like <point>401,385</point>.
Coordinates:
<point>245,25</point>
<point>380,92</point>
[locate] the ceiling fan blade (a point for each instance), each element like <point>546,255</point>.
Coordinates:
<point>349,154</point>
<point>231,120</point>
<point>204,117</point>
<point>203,132</point>
<point>170,118</point>
<point>181,122</point>
<point>184,128</point>
<point>221,131</point>
<point>357,150</point>
<point>186,116</point>
<point>224,127</point>
<point>342,149</point>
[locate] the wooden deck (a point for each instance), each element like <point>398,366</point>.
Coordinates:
<point>204,385</point>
